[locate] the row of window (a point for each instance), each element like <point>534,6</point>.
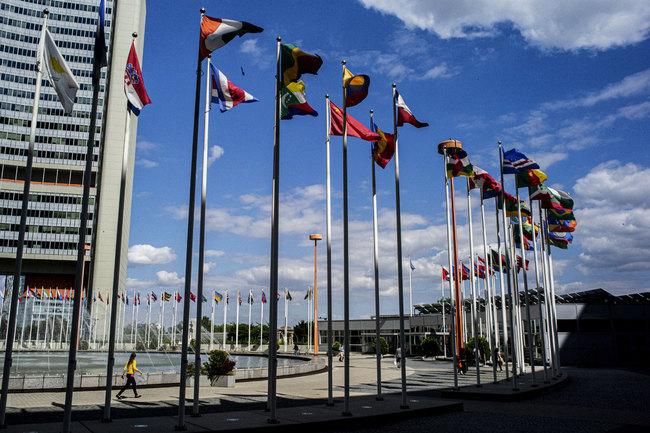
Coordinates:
<point>41,213</point>
<point>54,4</point>
<point>65,248</point>
<point>44,96</point>
<point>46,154</point>
<point>46,175</point>
<point>45,198</point>
<point>57,230</point>
<point>31,67</point>
<point>53,126</point>
<point>20,108</point>
<point>14,136</point>
<point>53,29</point>
<point>31,80</point>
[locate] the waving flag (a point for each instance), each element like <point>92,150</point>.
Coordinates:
<point>134,84</point>
<point>250,298</point>
<point>482,180</point>
<point>355,128</point>
<point>515,162</point>
<point>404,114</point>
<point>445,274</point>
<point>226,93</point>
<point>217,297</point>
<point>239,298</point>
<point>411,264</point>
<point>384,148</point>
<point>561,214</point>
<point>192,297</point>
<point>178,297</point>
<point>557,200</point>
<point>556,225</point>
<point>295,62</point>
<point>263,297</point>
<point>357,87</point>
<point>465,270</point>
<point>511,206</point>
<point>154,297</point>
<point>458,165</point>
<point>560,240</point>
<point>288,295</point>
<point>217,32</point>
<point>530,177</point>
<point>99,295</point>
<point>58,72</point>
<point>166,296</point>
<point>294,102</point>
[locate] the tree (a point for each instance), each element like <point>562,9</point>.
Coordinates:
<point>429,347</point>
<point>301,332</point>
<point>383,345</point>
<point>483,347</point>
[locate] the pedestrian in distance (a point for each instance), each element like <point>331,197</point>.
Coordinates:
<point>130,369</point>
<point>398,356</point>
<point>295,349</point>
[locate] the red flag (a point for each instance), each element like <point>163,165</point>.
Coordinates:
<point>178,297</point>
<point>445,274</point>
<point>192,297</point>
<point>404,114</point>
<point>355,128</point>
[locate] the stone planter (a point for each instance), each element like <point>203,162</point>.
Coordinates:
<point>226,381</point>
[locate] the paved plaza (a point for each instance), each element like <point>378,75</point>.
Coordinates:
<point>584,400</point>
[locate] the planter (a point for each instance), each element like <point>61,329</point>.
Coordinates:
<point>225,381</point>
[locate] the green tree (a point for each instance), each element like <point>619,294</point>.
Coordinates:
<point>429,347</point>
<point>383,345</point>
<point>483,347</point>
<point>301,331</point>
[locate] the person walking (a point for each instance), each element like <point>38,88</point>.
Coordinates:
<point>130,369</point>
<point>398,356</point>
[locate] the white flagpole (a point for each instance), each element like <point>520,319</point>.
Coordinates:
<point>149,301</point>
<point>212,301</point>
<point>490,307</point>
<point>452,275</point>
<point>105,323</point>
<point>47,321</point>
<point>542,334</point>
<point>161,340</point>
<point>250,306</point>
<point>328,206</point>
<point>410,288</point>
<point>61,321</point>
<point>133,318</point>
<point>22,328</point>
<point>548,325</point>
<point>237,322</point>
<point>286,319</point>
<point>40,316</point>
<point>261,323</point>
<point>553,304</point>
<point>30,342</point>
<point>472,278</point>
<point>308,320</point>
<point>225,314</point>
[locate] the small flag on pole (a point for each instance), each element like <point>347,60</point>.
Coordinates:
<point>217,32</point>
<point>404,114</point>
<point>357,87</point>
<point>355,128</point>
<point>225,93</point>
<point>294,102</point>
<point>58,72</point>
<point>133,83</point>
<point>295,62</point>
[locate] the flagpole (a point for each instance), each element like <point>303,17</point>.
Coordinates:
<point>444,313</point>
<point>225,314</point>
<point>61,327</point>
<point>509,276</point>
<point>549,322</point>
<point>212,301</point>
<point>398,227</point>
<point>552,295</point>
<point>149,300</point>
<point>375,241</point>
<point>161,341</point>
<point>250,306</point>
<point>328,193</point>
<point>526,297</point>
<point>410,288</point>
<point>539,289</point>
<point>275,232</point>
<point>286,317</point>
<point>13,305</point>
<point>261,323</point>
<point>491,304</point>
<point>22,327</point>
<point>309,321</point>
<point>237,324</point>
<point>472,277</point>
<point>134,318</point>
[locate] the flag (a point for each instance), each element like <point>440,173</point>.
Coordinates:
<point>99,294</point>
<point>192,297</point>
<point>520,263</point>
<point>465,271</point>
<point>445,274</point>
<point>239,298</point>
<point>225,93</point>
<point>561,225</point>
<point>515,162</point>
<point>404,114</point>
<point>178,297</point>
<point>294,102</point>
<point>148,298</point>
<point>558,200</point>
<point>539,192</point>
<point>139,299</point>
<point>166,296</point>
<point>263,297</point>
<point>496,262</point>
<point>100,39</point>
<point>250,298</point>
<point>227,298</point>
<point>295,62</point>
<point>511,206</point>
<point>134,84</point>
<point>217,32</point>
<point>127,300</point>
<point>458,165</point>
<point>530,177</point>
<point>486,183</point>
<point>58,295</point>
<point>517,241</point>
<point>288,295</point>
<point>58,72</point>
<point>561,214</point>
<point>479,270</point>
<point>308,295</point>
<point>560,240</point>
<point>204,299</point>
<point>527,227</point>
<point>355,128</point>
<point>357,87</point>
<point>411,264</point>
<point>384,148</point>
<point>217,297</point>
<point>154,297</point>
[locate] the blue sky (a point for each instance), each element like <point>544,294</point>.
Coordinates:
<point>567,84</point>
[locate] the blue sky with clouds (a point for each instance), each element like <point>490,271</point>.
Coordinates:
<point>567,83</point>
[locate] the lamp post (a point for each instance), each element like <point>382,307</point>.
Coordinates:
<point>315,238</point>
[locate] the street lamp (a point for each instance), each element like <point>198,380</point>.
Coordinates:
<point>315,238</point>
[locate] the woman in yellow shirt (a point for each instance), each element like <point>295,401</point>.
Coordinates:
<point>130,370</point>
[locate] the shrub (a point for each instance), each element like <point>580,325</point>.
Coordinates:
<point>83,345</point>
<point>383,344</point>
<point>336,347</point>
<point>218,364</point>
<point>429,347</point>
<point>483,347</point>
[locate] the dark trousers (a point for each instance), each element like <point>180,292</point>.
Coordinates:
<point>130,380</point>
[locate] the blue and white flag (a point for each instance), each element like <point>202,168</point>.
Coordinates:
<point>226,93</point>
<point>515,162</point>
<point>411,263</point>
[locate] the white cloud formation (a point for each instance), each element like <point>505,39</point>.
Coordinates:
<point>146,163</point>
<point>169,279</point>
<point>549,24</point>
<point>145,254</point>
<point>214,253</point>
<point>215,153</point>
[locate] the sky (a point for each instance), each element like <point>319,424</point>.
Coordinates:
<point>567,83</point>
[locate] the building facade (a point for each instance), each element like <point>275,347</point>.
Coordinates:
<point>53,220</point>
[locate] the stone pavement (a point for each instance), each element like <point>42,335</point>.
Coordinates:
<point>301,400</point>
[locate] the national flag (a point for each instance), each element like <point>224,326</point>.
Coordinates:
<point>355,128</point>
<point>527,227</point>
<point>99,294</point>
<point>555,225</point>
<point>515,162</point>
<point>127,300</point>
<point>458,165</point>
<point>479,270</point>
<point>497,263</point>
<point>166,296</point>
<point>227,298</point>
<point>308,295</point>
<point>465,271</point>
<point>217,32</point>
<point>445,274</point>
<point>530,177</point>
<point>561,214</point>
<point>288,295</point>
<point>517,240</point>
<point>294,101</point>
<point>263,297</point>
<point>100,39</point>
<point>384,148</point>
<point>404,114</point>
<point>134,84</point>
<point>560,240</point>
<point>558,200</point>
<point>250,298</point>
<point>539,192</point>
<point>192,297</point>
<point>58,72</point>
<point>295,62</point>
<point>482,180</point>
<point>511,206</point>
<point>178,297</point>
<point>148,298</point>
<point>203,299</point>
<point>154,297</point>
<point>239,298</point>
<point>139,299</point>
<point>520,263</point>
<point>356,87</point>
<point>225,93</point>
<point>217,297</point>
<point>411,264</point>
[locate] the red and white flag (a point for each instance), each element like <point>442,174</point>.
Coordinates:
<point>226,93</point>
<point>217,32</point>
<point>134,84</point>
<point>404,114</point>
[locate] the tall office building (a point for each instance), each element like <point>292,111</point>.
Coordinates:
<point>53,220</point>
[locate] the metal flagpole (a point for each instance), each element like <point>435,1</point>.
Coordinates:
<point>491,305</point>
<point>30,341</point>
<point>190,237</point>
<point>328,193</point>
<point>134,318</point>
<point>262,321</point>
<point>275,232</point>
<point>444,313</point>
<point>509,276</point>
<point>286,319</point>
<point>552,299</point>
<point>472,277</point>
<point>212,301</point>
<point>148,320</point>
<point>398,229</point>
<point>47,322</point>
<point>314,297</point>
<point>22,327</point>
<point>13,304</point>
<point>504,322</point>
<point>309,319</point>
<point>539,291</point>
<point>410,288</point>
<point>375,240</point>
<point>199,289</point>
<point>161,340</point>
<point>40,316</point>
<point>237,324</point>
<point>452,271</point>
<point>61,321</point>
<point>250,306</point>
<point>174,322</point>
<point>225,313</point>
<point>105,320</point>
<point>547,298</point>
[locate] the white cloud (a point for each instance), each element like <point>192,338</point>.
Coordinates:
<point>440,71</point>
<point>215,153</point>
<point>146,163</point>
<point>549,24</point>
<point>144,254</point>
<point>258,56</point>
<point>214,253</point>
<point>169,279</point>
